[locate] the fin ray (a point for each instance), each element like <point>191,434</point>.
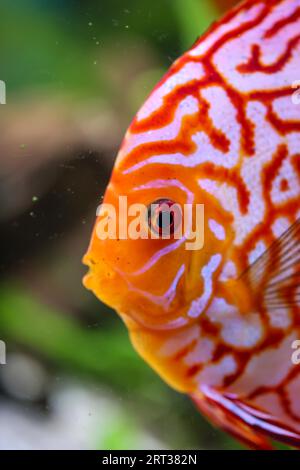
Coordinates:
<point>276,273</point>
<point>248,423</point>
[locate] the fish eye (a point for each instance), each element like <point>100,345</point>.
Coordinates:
<point>164,216</point>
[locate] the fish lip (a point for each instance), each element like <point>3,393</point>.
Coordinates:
<point>170,320</point>
<point>164,322</point>
<point>96,272</point>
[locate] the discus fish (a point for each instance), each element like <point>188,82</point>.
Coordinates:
<point>222,129</point>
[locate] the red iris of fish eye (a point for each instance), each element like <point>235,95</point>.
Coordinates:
<point>163,216</point>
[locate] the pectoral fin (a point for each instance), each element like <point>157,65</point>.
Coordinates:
<point>275,275</point>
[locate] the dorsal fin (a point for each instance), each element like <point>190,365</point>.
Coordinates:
<point>275,275</point>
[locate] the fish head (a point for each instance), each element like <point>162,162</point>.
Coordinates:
<point>147,274</point>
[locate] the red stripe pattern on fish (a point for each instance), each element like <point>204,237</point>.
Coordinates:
<point>221,129</point>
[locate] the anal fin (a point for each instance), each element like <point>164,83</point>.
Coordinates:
<point>249,424</point>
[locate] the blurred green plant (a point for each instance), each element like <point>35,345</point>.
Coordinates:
<point>120,435</point>
<point>194,17</point>
<point>60,339</point>
<point>43,54</point>
<point>103,355</point>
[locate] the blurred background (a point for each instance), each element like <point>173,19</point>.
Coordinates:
<point>76,72</point>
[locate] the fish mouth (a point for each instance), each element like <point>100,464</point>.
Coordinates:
<point>111,288</point>
<point>103,281</point>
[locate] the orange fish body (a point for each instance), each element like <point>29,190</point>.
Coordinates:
<point>221,129</point>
